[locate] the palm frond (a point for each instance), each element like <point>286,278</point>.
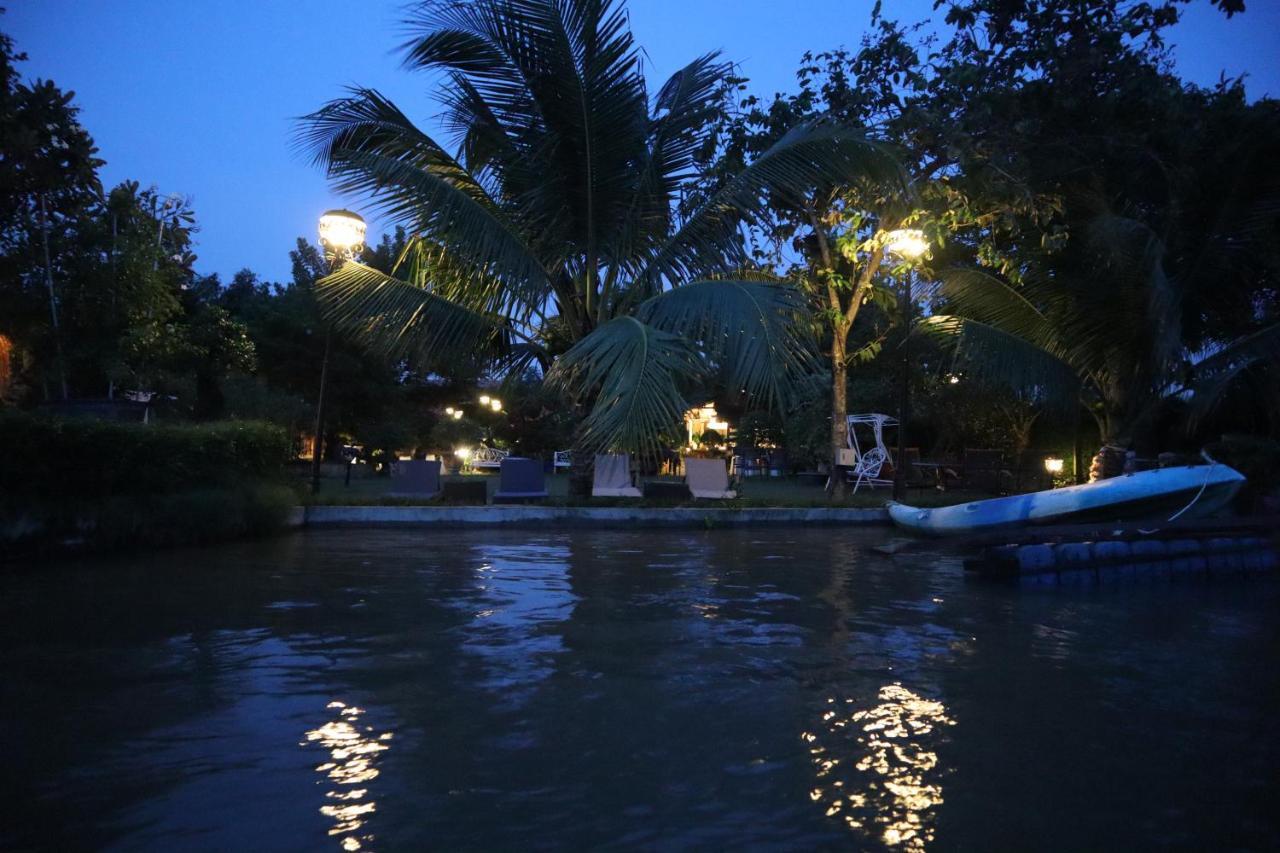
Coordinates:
<point>1214,375</point>
<point>395,319</point>
<point>987,299</point>
<point>635,373</point>
<point>757,332</point>
<point>685,110</point>
<point>476,235</point>
<point>988,353</point>
<point>810,154</point>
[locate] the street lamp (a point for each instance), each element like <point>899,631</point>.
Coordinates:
<point>342,237</point>
<point>909,244</point>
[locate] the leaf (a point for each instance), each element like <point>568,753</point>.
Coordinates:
<point>814,153</point>
<point>635,373</point>
<point>986,352</point>
<point>758,332</point>
<point>396,319</point>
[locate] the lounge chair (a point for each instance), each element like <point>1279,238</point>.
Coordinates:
<point>708,478</point>
<point>613,477</point>
<point>521,479</point>
<point>415,478</point>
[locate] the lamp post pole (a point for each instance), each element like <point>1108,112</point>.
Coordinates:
<point>909,244</point>
<point>904,392</point>
<point>342,236</point>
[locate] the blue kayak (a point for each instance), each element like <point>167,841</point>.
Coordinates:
<point>1189,491</point>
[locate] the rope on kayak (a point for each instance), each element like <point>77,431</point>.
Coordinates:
<point>1207,471</point>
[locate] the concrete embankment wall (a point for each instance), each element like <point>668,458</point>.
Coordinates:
<point>581,517</point>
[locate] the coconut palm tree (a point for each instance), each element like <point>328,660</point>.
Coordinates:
<point>567,231</point>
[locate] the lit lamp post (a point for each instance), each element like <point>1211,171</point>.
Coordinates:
<point>342,238</point>
<point>908,244</point>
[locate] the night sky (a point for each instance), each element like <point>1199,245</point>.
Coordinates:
<point>198,97</point>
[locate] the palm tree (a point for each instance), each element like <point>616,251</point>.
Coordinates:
<point>567,230</point>
<point>1103,329</point>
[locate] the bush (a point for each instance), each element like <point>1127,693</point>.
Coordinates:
<point>1256,457</point>
<point>77,461</point>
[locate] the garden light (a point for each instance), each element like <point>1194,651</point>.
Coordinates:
<point>342,232</point>
<point>1053,464</point>
<point>484,399</point>
<point>449,410</point>
<point>496,404</point>
<point>457,414</point>
<point>907,243</point>
<point>463,453</point>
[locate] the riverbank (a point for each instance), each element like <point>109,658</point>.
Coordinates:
<point>623,517</point>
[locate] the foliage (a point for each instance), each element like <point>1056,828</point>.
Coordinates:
<point>450,433</point>
<point>85,460</point>
<point>567,226</point>
<point>1256,457</point>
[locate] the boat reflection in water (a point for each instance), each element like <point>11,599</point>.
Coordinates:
<point>352,754</point>
<point>875,768</point>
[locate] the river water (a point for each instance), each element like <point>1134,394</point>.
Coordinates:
<point>673,690</point>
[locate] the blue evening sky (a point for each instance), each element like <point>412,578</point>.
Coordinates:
<point>197,96</point>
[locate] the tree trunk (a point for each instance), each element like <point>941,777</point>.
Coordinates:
<point>53,298</point>
<point>839,408</point>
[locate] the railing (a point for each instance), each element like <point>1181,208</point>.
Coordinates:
<point>487,457</point>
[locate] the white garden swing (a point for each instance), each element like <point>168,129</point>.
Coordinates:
<point>869,457</point>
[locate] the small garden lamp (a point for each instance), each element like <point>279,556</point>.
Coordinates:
<point>342,236</point>
<point>484,399</point>
<point>495,404</point>
<point>1053,465</point>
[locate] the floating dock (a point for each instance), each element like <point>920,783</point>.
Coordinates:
<point>1083,554</point>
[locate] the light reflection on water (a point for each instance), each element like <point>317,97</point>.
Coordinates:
<point>353,755</point>
<point>876,769</point>
<point>626,690</point>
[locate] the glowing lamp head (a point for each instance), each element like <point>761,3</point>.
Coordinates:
<point>495,404</point>
<point>457,414</point>
<point>1053,465</point>
<point>342,231</point>
<point>909,243</point>
<point>462,453</point>
<point>449,410</point>
<point>484,399</point>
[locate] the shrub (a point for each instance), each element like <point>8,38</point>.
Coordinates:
<point>77,461</point>
<point>1256,457</point>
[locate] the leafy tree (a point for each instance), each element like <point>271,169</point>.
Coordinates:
<point>1160,279</point>
<point>48,178</point>
<point>566,232</point>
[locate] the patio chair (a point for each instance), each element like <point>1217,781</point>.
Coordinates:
<point>613,477</point>
<point>708,478</point>
<point>415,478</point>
<point>520,479</point>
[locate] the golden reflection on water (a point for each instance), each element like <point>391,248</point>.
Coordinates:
<point>875,770</point>
<point>352,754</point>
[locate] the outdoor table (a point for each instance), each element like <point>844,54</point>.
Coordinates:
<point>937,468</point>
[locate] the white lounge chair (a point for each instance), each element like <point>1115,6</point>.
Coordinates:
<point>613,477</point>
<point>708,478</point>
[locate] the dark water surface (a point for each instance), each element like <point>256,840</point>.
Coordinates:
<point>389,690</point>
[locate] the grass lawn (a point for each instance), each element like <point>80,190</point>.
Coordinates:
<point>752,492</point>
